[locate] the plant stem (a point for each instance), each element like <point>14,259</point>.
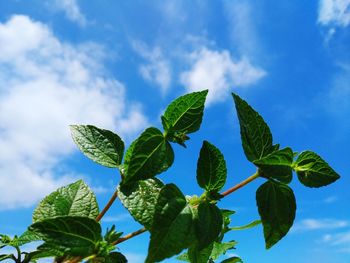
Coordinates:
<point>128,236</point>
<point>108,205</point>
<point>74,260</point>
<point>241,184</point>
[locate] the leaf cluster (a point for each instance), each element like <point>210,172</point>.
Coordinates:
<point>67,221</point>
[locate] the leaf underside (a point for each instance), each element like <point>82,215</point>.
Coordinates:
<point>75,199</point>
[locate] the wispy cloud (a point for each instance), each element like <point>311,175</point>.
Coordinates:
<point>116,218</point>
<point>334,12</point>
<point>45,85</point>
<point>339,241</point>
<point>218,72</point>
<point>310,224</point>
<point>242,27</point>
<point>71,10</point>
<point>157,68</point>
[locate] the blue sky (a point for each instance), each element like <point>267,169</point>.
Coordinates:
<point>117,64</point>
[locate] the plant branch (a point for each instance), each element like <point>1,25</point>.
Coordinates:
<point>108,205</point>
<point>241,184</point>
<point>128,236</point>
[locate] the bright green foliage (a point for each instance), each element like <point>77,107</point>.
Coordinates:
<point>140,199</point>
<point>112,235</point>
<point>276,205</point>
<point>255,134</point>
<point>150,155</point>
<point>66,222</point>
<point>196,255</point>
<point>183,116</point>
<point>313,171</point>
<point>247,226</point>
<point>211,168</point>
<point>172,229</point>
<point>221,249</point>
<point>102,146</point>
<point>209,224</point>
<point>75,199</point>
<point>75,235</point>
<point>211,253</point>
<point>277,165</point>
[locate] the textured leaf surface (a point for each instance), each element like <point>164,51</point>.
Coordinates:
<point>277,165</point>
<point>255,134</point>
<point>140,199</point>
<point>75,235</point>
<point>150,155</point>
<point>220,249</point>
<point>276,205</point>
<point>196,255</point>
<point>102,146</point>
<point>209,224</point>
<point>212,252</point>
<point>172,229</point>
<point>75,199</point>
<point>313,171</point>
<point>25,238</point>
<point>211,168</point>
<point>185,114</point>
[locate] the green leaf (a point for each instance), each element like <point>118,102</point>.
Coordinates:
<point>102,146</point>
<point>277,165</point>
<point>140,199</point>
<point>150,155</point>
<point>226,221</point>
<point>75,235</point>
<point>43,253</point>
<point>313,171</point>
<point>113,257</point>
<point>247,226</point>
<point>208,225</point>
<point>232,260</point>
<point>75,199</point>
<point>220,249</point>
<point>25,238</point>
<point>184,115</point>
<point>116,257</point>
<point>112,235</point>
<point>6,256</point>
<point>255,134</point>
<point>212,252</point>
<point>196,255</point>
<point>184,257</point>
<point>276,205</point>
<point>172,229</point>
<point>211,168</point>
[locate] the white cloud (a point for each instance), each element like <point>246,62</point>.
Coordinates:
<point>157,69</point>
<point>218,72</point>
<point>334,12</point>
<point>318,224</point>
<point>338,241</point>
<point>72,11</point>
<point>116,218</point>
<point>241,18</point>
<point>45,85</point>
